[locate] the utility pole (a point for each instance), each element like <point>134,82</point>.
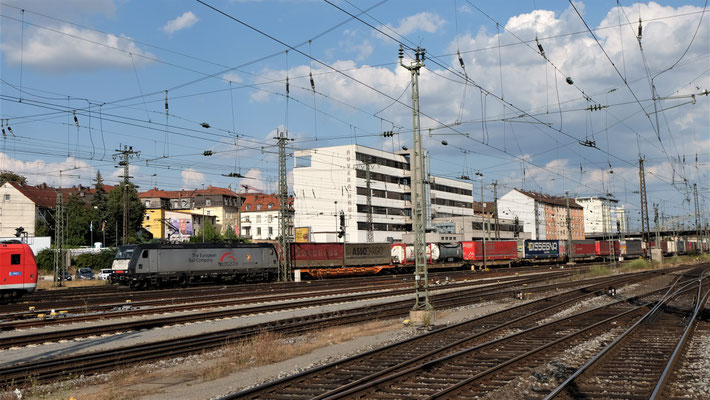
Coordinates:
<point>656,244</point>
<point>59,266</point>
<point>370,232</point>
<point>606,208</point>
<point>697,215</point>
<point>285,265</point>
<point>421,279</point>
<point>645,226</point>
<point>570,251</point>
<point>125,156</point>
<point>484,229</point>
<point>495,208</point>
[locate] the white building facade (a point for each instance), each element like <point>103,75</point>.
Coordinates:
<point>330,187</point>
<point>601,215</point>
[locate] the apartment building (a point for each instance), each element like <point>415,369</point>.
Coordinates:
<point>260,216</point>
<point>544,216</point>
<point>331,194</point>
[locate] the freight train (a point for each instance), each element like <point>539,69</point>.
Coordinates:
<point>151,265</point>
<point>18,270</point>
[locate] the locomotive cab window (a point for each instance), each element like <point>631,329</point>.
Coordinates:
<point>144,254</point>
<point>15,259</point>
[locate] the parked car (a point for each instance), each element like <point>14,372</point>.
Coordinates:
<point>84,273</point>
<point>105,274</point>
<point>67,276</point>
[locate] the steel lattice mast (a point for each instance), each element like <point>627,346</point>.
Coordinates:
<point>418,193</point>
<point>285,265</point>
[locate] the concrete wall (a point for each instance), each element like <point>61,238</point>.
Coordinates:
<point>514,204</point>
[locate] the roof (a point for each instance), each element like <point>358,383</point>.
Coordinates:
<point>181,194</point>
<point>42,196</point>
<point>86,190</point>
<point>252,201</point>
<point>548,199</point>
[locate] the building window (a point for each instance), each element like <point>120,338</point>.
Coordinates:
<point>258,206</point>
<point>208,202</point>
<point>258,219</point>
<point>208,212</point>
<point>247,231</point>
<point>271,231</point>
<point>7,197</point>
<point>15,259</point>
<point>147,217</point>
<point>258,231</point>
<point>248,207</point>
<point>147,204</point>
<point>270,206</point>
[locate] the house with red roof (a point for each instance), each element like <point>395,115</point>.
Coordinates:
<point>260,216</point>
<point>178,214</point>
<point>21,205</point>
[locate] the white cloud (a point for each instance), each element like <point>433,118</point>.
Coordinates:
<point>39,171</point>
<point>71,49</point>
<point>231,76</point>
<point>186,20</point>
<point>423,21</point>
<point>191,178</point>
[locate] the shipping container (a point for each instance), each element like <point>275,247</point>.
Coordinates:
<point>542,249</point>
<point>362,254</point>
<point>583,248</point>
<point>450,252</point>
<point>606,247</point>
<point>317,255</point>
<point>632,248</point>
<point>495,250</point>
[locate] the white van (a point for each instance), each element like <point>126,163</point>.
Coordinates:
<point>105,274</point>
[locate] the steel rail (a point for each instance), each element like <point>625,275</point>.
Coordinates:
<point>587,366</point>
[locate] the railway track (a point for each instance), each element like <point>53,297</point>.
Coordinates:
<point>96,299</point>
<point>58,367</point>
<point>471,367</point>
<point>298,300</point>
<point>641,362</point>
<point>477,293</point>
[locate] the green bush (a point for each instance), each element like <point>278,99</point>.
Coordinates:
<point>45,260</point>
<point>95,261</point>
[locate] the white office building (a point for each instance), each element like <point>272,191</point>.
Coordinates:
<point>601,215</point>
<point>330,194</point>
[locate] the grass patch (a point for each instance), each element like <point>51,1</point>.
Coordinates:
<point>146,379</point>
<point>269,348</point>
<point>598,270</point>
<point>49,285</point>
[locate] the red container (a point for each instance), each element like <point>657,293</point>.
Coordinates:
<point>601,247</point>
<point>495,250</point>
<point>584,248</point>
<point>317,255</point>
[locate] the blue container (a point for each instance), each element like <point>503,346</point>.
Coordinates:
<point>536,249</point>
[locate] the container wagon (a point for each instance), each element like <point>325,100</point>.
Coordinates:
<point>497,252</point>
<point>338,259</point>
<point>583,249</point>
<point>543,250</point>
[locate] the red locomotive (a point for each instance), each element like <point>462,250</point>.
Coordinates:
<point>18,270</point>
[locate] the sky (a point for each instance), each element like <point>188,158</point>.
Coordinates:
<point>546,95</point>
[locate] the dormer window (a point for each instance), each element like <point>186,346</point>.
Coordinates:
<point>271,205</point>
<point>248,207</point>
<point>258,206</point>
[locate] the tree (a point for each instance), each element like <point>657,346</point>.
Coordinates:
<point>114,214</point>
<point>42,228</point>
<point>229,233</point>
<point>210,234</point>
<point>78,220</point>
<point>9,176</point>
<point>45,260</point>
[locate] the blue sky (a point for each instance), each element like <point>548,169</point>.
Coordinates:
<point>515,120</point>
